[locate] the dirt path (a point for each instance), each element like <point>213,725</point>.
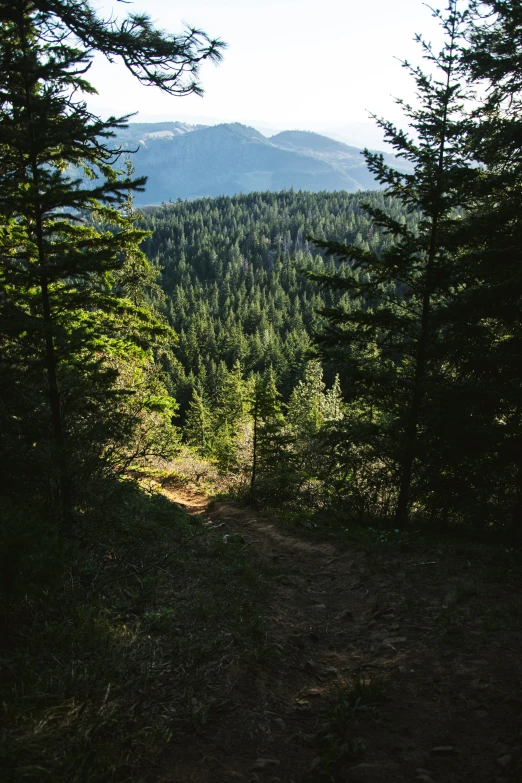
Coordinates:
<point>439,629</point>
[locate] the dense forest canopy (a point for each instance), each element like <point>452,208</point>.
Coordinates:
<point>231,270</point>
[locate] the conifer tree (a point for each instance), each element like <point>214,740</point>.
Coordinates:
<point>333,402</point>
<point>268,439</point>
<point>486,309</point>
<point>136,277</point>
<point>198,424</point>
<point>306,420</point>
<point>307,402</point>
<point>57,272</point>
<point>390,343</point>
<point>229,396</point>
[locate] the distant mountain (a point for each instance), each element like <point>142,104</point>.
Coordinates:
<point>146,133</point>
<point>307,140</point>
<point>190,161</point>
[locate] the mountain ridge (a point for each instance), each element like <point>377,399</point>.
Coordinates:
<point>194,161</point>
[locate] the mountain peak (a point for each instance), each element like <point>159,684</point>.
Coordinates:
<point>243,131</point>
<point>310,140</point>
<point>192,161</point>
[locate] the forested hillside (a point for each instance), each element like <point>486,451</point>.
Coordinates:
<point>231,269</point>
<point>256,285</point>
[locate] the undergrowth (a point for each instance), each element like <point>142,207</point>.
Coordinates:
<point>127,646</point>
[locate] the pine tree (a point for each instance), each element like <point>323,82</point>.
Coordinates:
<point>268,440</point>
<point>229,396</point>
<point>486,310</point>
<point>306,419</point>
<point>306,407</point>
<point>198,425</point>
<point>388,339</point>
<point>136,277</point>
<point>58,311</point>
<point>333,402</point>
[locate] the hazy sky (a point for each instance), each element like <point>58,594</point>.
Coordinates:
<point>289,63</point>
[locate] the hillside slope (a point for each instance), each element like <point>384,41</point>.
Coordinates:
<point>230,272</point>
<point>187,161</point>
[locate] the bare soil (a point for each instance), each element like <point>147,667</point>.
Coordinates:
<point>438,627</point>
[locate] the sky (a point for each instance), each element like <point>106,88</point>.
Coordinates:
<point>292,64</point>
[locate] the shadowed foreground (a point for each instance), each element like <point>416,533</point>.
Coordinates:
<point>380,663</point>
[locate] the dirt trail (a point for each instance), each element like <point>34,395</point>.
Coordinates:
<point>441,628</point>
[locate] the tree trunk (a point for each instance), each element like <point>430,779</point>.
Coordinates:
<point>403,501</point>
<point>56,413</point>
<point>410,442</point>
<point>254,451</point>
<point>50,352</point>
